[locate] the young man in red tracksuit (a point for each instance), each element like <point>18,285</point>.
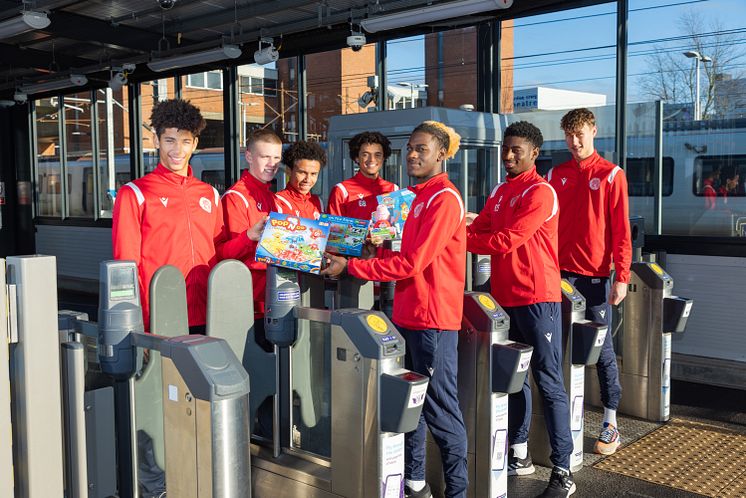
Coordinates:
<point>518,228</point>
<point>168,217</point>
<point>428,270</point>
<point>594,231</point>
<point>356,196</point>
<point>303,161</point>
<point>247,203</point>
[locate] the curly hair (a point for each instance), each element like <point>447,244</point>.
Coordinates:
<point>179,114</point>
<point>298,151</point>
<point>575,119</point>
<point>369,137</point>
<point>445,135</point>
<point>524,129</point>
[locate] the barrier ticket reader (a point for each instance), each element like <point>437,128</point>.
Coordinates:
<point>205,388</point>
<point>489,368</point>
<point>372,399</point>
<point>582,341</point>
<point>651,315</point>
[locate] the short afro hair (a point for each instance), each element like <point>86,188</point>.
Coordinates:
<point>524,129</point>
<point>179,114</point>
<point>303,149</point>
<point>369,137</point>
<point>576,119</point>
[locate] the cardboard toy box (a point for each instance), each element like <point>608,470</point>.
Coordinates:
<point>346,235</point>
<point>397,204</point>
<point>293,242</point>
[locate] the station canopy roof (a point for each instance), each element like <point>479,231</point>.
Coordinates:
<point>91,37</point>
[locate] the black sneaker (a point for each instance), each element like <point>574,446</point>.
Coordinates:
<point>423,493</point>
<point>560,484</point>
<point>519,466</point>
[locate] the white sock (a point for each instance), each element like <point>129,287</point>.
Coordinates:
<point>415,485</point>
<point>610,416</point>
<point>520,450</point>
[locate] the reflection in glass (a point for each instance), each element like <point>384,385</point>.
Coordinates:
<point>48,167</point>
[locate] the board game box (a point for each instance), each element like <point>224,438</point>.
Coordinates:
<point>293,242</point>
<point>346,235</point>
<point>388,223</point>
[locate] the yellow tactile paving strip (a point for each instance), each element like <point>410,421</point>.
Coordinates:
<point>691,456</point>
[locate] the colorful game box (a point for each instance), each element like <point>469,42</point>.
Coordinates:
<point>293,242</point>
<point>346,235</point>
<point>388,223</point>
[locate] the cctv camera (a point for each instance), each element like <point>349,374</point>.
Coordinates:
<point>356,41</point>
<point>20,97</point>
<point>166,4</point>
<point>78,79</point>
<point>117,81</point>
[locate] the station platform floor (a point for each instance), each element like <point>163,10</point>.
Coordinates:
<point>709,456</point>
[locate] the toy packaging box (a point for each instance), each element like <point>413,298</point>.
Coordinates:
<point>346,235</point>
<point>293,242</point>
<point>393,208</point>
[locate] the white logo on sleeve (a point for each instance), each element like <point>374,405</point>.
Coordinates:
<point>164,201</point>
<point>418,209</point>
<point>548,335</point>
<point>564,180</point>
<point>514,200</point>
<point>205,204</point>
<point>259,206</point>
<point>594,184</point>
<point>602,313</point>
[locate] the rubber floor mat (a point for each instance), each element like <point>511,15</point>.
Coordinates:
<point>691,456</point>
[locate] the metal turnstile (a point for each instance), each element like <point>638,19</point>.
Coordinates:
<point>651,315</point>
<point>582,341</point>
<point>204,389</point>
<point>343,433</point>
<point>490,367</point>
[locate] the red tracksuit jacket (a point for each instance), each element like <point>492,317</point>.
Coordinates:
<point>430,268</point>
<point>594,217</point>
<point>518,228</point>
<point>168,219</point>
<point>244,204</point>
<point>290,201</point>
<point>356,196</point>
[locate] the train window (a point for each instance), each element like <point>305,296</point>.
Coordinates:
<point>722,175</point>
<point>214,178</point>
<point>641,176</point>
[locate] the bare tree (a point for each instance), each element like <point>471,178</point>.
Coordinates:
<point>671,76</point>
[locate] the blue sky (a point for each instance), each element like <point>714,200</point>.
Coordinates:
<point>575,49</point>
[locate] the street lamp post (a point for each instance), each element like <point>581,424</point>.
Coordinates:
<point>412,87</point>
<point>693,54</point>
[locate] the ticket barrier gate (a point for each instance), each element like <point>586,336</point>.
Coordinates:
<point>490,367</point>
<point>186,413</point>
<point>354,447</point>
<point>582,341</point>
<point>651,315</point>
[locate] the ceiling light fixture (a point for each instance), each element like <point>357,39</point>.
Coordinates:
<point>431,13</point>
<point>58,84</point>
<point>195,58</point>
<point>27,21</point>
<point>267,54</point>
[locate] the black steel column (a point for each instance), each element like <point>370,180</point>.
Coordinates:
<point>302,99</point>
<point>381,62</point>
<point>485,66</point>
<point>231,133</point>
<point>622,15</point>
<point>135,124</point>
